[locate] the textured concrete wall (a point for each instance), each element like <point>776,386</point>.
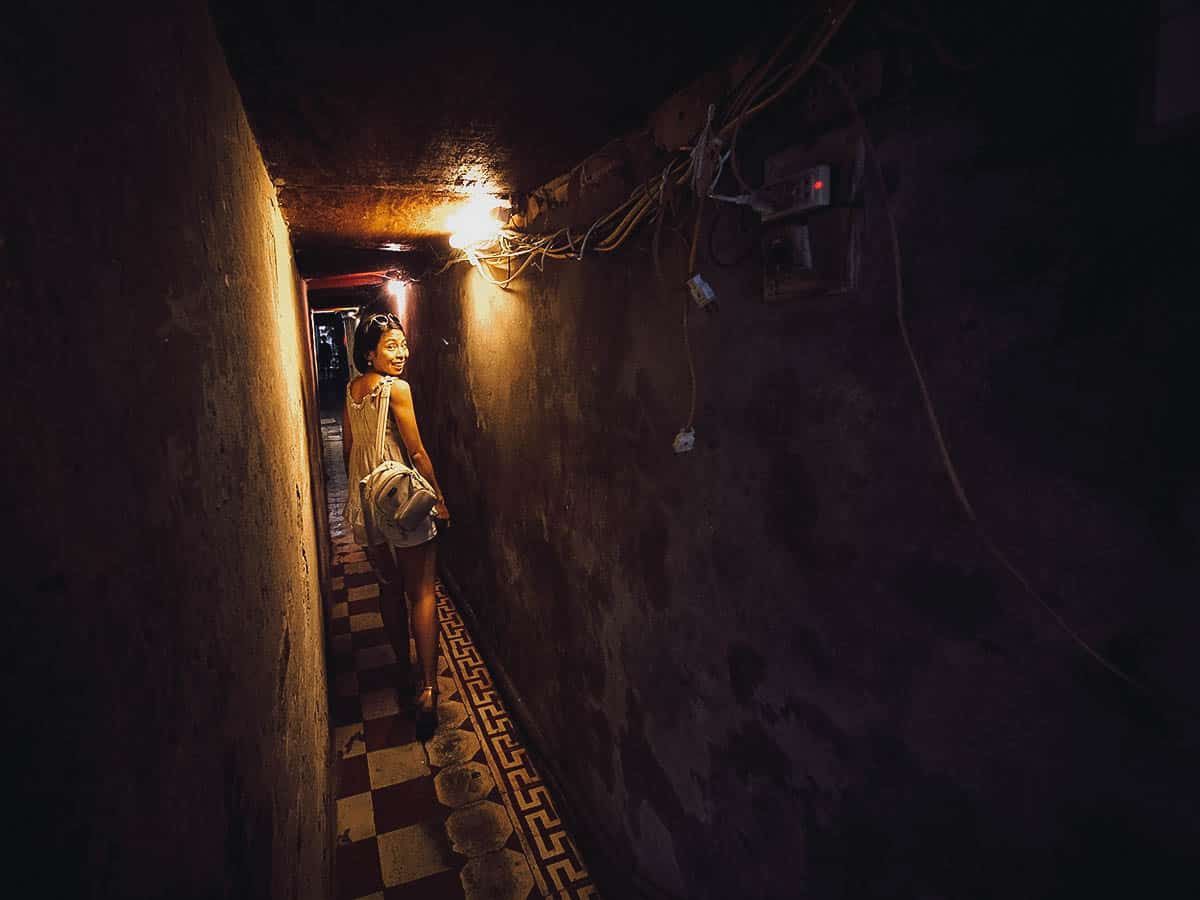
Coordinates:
<point>784,665</point>
<point>166,697</point>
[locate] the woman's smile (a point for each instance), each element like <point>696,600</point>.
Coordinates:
<point>392,353</point>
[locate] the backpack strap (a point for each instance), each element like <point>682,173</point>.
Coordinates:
<point>385,407</point>
<point>374,535</point>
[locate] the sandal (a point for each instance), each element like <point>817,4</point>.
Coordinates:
<point>426,709</point>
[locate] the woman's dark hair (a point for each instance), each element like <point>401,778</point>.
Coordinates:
<point>371,327</point>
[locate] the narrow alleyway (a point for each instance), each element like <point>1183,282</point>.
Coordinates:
<point>465,814</point>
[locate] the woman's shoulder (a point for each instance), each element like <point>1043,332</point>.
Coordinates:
<point>361,386</point>
<point>400,396</point>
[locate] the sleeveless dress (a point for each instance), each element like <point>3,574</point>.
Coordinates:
<point>363,418</point>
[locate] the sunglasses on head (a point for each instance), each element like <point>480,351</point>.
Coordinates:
<point>384,320</point>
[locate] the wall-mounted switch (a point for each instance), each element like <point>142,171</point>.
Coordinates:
<point>810,246</point>
<point>788,192</point>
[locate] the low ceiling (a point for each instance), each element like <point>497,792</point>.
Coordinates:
<point>374,117</point>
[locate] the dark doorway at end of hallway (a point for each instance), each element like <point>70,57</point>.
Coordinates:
<point>333,360</point>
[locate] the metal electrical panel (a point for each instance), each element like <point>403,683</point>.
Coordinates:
<point>787,260</point>
<point>793,189</point>
<point>811,197</point>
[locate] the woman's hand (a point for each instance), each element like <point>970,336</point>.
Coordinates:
<point>441,512</point>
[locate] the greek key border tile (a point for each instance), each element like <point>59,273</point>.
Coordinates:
<point>556,863</point>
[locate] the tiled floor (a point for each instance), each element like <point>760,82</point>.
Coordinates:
<point>463,815</point>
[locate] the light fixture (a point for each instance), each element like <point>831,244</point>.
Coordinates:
<point>396,288</point>
<point>477,221</point>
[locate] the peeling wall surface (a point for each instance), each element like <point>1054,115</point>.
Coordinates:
<point>166,717</point>
<point>784,664</point>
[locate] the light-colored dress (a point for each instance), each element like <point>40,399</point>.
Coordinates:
<point>363,418</point>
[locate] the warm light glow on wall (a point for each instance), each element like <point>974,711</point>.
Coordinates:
<point>487,307</point>
<point>290,344</point>
<point>289,355</point>
<point>398,291</point>
<point>476,221</point>
<point>497,352</point>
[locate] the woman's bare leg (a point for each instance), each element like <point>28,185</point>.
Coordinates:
<point>394,612</point>
<point>419,565</point>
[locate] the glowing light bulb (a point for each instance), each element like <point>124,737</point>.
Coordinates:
<point>398,291</point>
<point>475,222</point>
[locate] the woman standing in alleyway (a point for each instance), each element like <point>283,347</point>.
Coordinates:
<point>380,352</point>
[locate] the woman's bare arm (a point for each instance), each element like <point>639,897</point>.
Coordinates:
<point>406,418</point>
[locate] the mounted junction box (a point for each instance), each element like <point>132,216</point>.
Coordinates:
<point>787,247</point>
<point>810,259</point>
<point>787,257</point>
<point>810,246</point>
<point>791,190</point>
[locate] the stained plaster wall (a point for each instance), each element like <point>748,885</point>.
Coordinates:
<point>166,718</point>
<point>784,665</point>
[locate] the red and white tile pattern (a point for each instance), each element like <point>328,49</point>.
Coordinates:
<point>462,815</point>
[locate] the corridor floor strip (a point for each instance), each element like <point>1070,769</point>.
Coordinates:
<point>465,814</point>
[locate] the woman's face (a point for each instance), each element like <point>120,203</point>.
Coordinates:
<point>391,353</point>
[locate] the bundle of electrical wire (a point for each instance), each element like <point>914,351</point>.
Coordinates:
<point>505,258</point>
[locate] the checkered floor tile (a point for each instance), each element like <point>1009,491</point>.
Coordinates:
<point>463,815</point>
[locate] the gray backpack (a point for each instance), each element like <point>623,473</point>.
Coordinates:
<point>396,498</point>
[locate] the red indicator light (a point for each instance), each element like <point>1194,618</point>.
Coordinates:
<point>817,185</point>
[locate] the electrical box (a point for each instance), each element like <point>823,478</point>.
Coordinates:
<point>789,190</point>
<point>811,232</point>
<point>811,258</point>
<point>787,260</point>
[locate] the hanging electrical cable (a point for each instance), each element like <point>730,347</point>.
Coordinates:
<point>939,438</point>
<point>701,165</point>
<point>763,86</point>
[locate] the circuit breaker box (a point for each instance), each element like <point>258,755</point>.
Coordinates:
<point>793,189</point>
<point>811,222</point>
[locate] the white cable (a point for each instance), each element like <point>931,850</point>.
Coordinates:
<point>583,246</point>
<point>700,151</point>
<point>935,424</point>
<point>720,169</point>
